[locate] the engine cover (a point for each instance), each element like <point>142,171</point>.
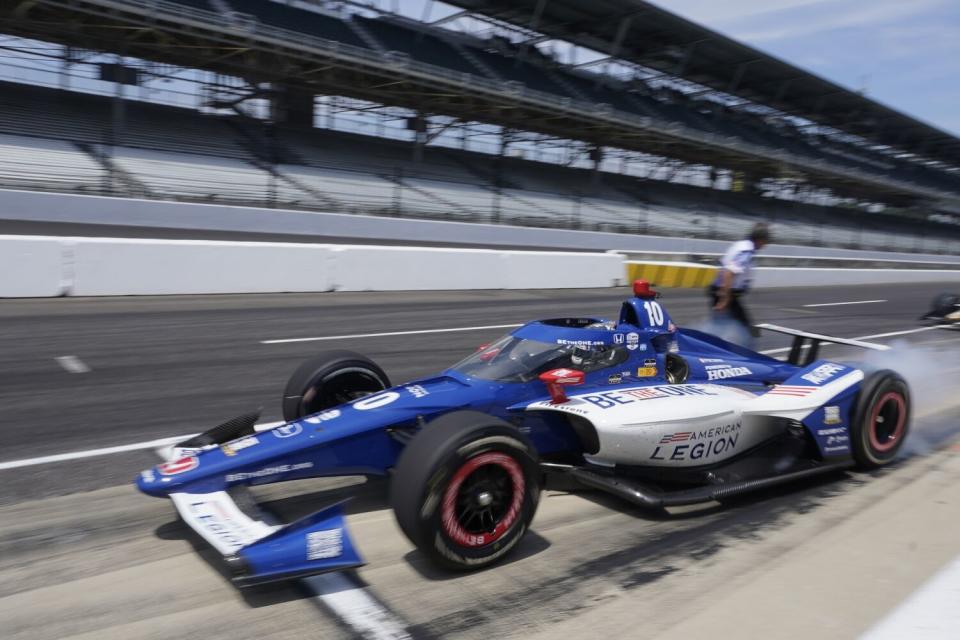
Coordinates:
<point>683,425</point>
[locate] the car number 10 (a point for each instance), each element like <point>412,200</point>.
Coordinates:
<point>654,313</point>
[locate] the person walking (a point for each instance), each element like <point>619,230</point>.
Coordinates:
<point>734,278</point>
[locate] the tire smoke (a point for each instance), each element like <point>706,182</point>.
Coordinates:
<point>933,375</point>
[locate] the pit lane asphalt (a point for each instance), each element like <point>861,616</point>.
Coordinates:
<point>165,366</point>
<point>82,555</point>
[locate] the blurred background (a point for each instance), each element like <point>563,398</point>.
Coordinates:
<point>602,116</point>
<point>411,179</point>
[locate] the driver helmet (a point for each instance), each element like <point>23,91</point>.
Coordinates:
<point>589,356</point>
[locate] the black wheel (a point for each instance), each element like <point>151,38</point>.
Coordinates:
<point>881,420</point>
<point>945,304</point>
<point>465,489</point>
<point>330,379</point>
<point>676,369</point>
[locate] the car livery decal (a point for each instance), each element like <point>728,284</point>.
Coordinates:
<point>823,373</point>
<point>184,464</point>
<point>701,444</point>
<point>609,399</point>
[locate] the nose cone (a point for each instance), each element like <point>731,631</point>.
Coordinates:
<point>152,483</point>
<point>160,481</point>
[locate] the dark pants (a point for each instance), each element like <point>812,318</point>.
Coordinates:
<point>734,309</point>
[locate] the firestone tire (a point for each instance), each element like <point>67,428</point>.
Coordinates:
<point>329,379</point>
<point>465,489</point>
<point>881,420</point>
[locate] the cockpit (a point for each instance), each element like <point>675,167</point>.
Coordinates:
<point>584,344</point>
<point>515,359</point>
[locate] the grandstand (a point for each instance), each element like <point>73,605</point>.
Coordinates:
<point>637,141</point>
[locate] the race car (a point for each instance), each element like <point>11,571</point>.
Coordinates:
<point>946,310</point>
<point>653,413</point>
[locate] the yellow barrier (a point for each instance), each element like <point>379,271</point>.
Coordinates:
<point>671,274</point>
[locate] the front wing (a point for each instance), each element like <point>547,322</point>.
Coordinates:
<point>256,547</point>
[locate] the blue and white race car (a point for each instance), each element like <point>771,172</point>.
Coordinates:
<point>655,414</point>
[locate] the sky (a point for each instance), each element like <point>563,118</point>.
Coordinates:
<point>902,53</point>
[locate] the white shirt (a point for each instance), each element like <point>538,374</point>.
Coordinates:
<point>738,260</point>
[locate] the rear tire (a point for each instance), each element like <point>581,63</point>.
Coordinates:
<point>881,420</point>
<point>329,379</point>
<point>465,489</point>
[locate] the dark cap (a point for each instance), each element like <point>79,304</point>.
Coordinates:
<point>760,232</point>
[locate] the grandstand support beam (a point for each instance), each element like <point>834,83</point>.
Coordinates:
<point>596,156</point>
<point>117,121</point>
<point>427,9</point>
<point>432,135</point>
<point>738,76</point>
<point>685,59</point>
<point>451,18</point>
<point>290,105</point>
<point>622,29</point>
<point>782,91</point>
<point>592,63</point>
<point>534,21</point>
<point>65,67</point>
<point>537,14</point>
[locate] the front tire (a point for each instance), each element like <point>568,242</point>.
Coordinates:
<point>881,419</point>
<point>329,379</point>
<point>465,489</point>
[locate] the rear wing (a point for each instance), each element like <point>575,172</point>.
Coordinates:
<point>813,341</point>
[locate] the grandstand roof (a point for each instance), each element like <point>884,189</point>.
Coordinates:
<point>653,37</point>
<point>382,61</point>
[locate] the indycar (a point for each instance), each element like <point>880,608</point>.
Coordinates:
<point>655,414</point>
<point>945,310</point>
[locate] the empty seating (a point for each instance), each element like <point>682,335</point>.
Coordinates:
<point>54,140</point>
<point>35,163</point>
<point>354,192</point>
<point>87,118</point>
<point>180,175</point>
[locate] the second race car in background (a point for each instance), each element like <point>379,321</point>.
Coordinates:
<point>946,310</point>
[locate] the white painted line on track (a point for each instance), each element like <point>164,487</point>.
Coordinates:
<point>106,451</point>
<point>839,304</point>
<point>72,364</point>
<point>391,333</point>
<point>929,613</point>
<point>90,453</point>
<point>890,334</point>
<point>356,606</point>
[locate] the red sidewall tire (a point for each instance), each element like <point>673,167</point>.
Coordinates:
<point>882,419</point>
<point>432,482</point>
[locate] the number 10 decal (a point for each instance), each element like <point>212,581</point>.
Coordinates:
<point>654,313</point>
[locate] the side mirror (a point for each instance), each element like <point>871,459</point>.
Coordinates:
<point>557,379</point>
<point>486,353</point>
